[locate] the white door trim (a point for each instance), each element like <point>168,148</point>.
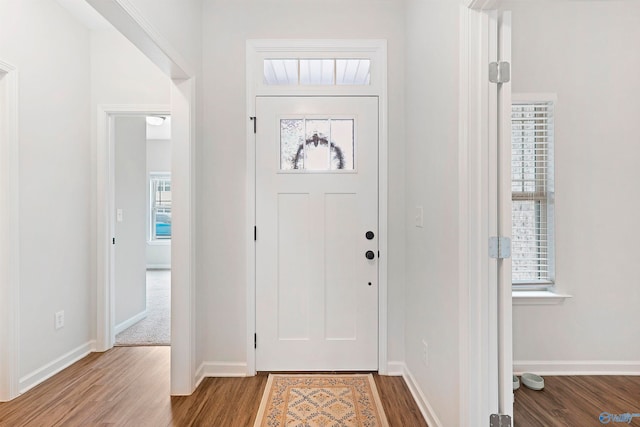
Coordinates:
<point>473,218</point>
<point>105,214</point>
<point>478,304</point>
<point>9,235</point>
<point>504,303</point>
<point>183,241</point>
<point>256,51</point>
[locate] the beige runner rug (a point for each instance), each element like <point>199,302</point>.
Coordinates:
<point>321,400</point>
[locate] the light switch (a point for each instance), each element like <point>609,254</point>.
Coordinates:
<point>419,217</point>
<point>119,215</point>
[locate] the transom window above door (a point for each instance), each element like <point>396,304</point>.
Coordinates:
<point>321,72</point>
<point>317,144</point>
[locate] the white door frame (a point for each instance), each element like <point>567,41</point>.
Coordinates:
<point>481,343</point>
<point>105,210</point>
<point>9,234</point>
<point>127,19</point>
<point>376,50</point>
<point>504,300</point>
<point>183,242</point>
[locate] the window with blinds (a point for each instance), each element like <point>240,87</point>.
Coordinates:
<point>160,207</point>
<point>532,193</point>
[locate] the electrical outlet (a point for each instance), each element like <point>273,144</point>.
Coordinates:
<point>425,353</point>
<point>60,319</point>
<point>419,217</point>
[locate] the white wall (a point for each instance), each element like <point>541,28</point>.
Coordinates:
<point>51,51</point>
<point>431,312</point>
<point>587,53</point>
<point>158,160</point>
<point>120,74</point>
<point>222,173</point>
<point>180,24</point>
<point>131,230</point>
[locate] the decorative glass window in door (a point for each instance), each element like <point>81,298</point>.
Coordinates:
<point>317,144</point>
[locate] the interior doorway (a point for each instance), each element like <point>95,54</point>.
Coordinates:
<point>134,224</point>
<point>142,231</point>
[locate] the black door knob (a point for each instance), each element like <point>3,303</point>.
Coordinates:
<point>369,235</point>
<point>370,255</point>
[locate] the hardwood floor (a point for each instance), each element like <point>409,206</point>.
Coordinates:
<point>129,386</point>
<point>578,401</point>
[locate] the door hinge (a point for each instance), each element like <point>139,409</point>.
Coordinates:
<point>113,241</point>
<point>499,420</point>
<point>255,340</point>
<point>254,119</point>
<point>499,72</point>
<point>255,233</point>
<point>499,247</point>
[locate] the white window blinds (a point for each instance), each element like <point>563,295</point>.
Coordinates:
<point>160,206</point>
<point>532,193</point>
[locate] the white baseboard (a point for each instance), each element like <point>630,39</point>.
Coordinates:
<point>577,367</point>
<point>220,369</point>
<point>129,322</point>
<point>158,266</point>
<point>31,380</point>
<point>395,368</point>
<point>427,410</point>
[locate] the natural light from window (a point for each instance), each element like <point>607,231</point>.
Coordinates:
<point>317,72</point>
<point>160,207</point>
<point>532,194</point>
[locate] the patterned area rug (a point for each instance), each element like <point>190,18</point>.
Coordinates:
<point>320,400</point>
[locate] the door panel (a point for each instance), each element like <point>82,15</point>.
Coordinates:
<point>316,197</point>
<point>293,259</point>
<point>341,266</point>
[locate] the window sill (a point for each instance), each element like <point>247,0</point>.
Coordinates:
<point>159,242</point>
<point>538,298</point>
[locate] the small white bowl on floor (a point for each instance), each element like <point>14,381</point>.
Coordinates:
<point>533,381</point>
<point>516,383</point>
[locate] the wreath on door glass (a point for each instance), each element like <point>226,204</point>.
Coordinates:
<point>337,158</point>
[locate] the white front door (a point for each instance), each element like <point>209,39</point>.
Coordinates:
<point>317,233</point>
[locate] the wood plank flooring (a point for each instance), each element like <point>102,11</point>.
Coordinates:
<point>577,401</point>
<point>129,386</point>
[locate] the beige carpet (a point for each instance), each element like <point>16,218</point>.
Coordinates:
<point>321,401</point>
<point>155,329</point>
